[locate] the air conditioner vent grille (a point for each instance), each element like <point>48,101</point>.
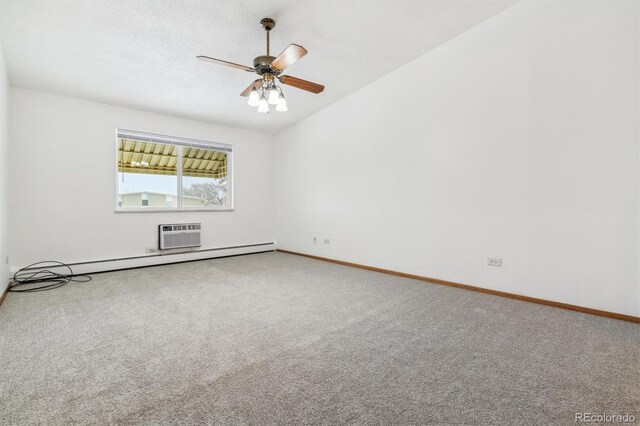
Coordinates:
<point>179,235</point>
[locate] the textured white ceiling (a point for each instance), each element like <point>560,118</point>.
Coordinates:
<point>141,53</point>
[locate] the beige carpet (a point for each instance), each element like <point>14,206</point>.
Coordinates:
<point>280,339</point>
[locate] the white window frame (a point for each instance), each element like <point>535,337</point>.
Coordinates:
<point>180,143</point>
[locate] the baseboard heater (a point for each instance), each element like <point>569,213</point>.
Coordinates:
<point>163,258</point>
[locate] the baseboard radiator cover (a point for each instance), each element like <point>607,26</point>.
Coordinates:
<point>106,265</point>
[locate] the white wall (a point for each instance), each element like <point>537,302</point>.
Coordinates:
<point>4,175</point>
<point>63,150</point>
<point>518,139</point>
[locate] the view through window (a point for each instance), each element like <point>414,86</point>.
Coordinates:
<point>158,172</point>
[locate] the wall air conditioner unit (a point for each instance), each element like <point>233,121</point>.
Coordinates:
<point>179,235</point>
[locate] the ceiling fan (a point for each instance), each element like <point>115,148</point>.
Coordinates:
<point>264,90</point>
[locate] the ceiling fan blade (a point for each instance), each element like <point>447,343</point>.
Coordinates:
<point>301,84</point>
<point>288,57</point>
<point>225,63</point>
<point>248,90</point>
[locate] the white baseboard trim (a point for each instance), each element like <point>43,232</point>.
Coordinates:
<point>105,265</point>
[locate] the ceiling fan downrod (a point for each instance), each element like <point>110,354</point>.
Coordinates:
<point>268,24</point>
<point>262,63</point>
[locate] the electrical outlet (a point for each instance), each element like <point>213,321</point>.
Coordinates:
<point>7,260</point>
<point>327,241</point>
<point>315,240</point>
<point>494,261</point>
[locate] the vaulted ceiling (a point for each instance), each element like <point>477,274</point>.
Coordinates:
<point>141,53</point>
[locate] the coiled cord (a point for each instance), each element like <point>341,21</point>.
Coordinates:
<point>26,280</point>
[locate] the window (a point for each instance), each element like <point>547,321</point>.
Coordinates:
<point>167,173</point>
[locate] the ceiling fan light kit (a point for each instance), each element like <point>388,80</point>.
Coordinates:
<point>264,91</point>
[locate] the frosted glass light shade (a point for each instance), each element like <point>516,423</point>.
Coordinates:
<point>254,98</point>
<point>263,106</point>
<point>282,104</point>
<point>273,96</point>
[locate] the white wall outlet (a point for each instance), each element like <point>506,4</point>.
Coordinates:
<point>315,240</point>
<point>327,241</point>
<point>7,260</point>
<point>494,261</point>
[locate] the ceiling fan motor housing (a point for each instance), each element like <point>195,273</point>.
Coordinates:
<point>262,64</point>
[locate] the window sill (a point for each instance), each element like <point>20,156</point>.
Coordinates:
<point>142,210</point>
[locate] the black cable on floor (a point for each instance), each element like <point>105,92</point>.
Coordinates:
<point>26,280</point>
